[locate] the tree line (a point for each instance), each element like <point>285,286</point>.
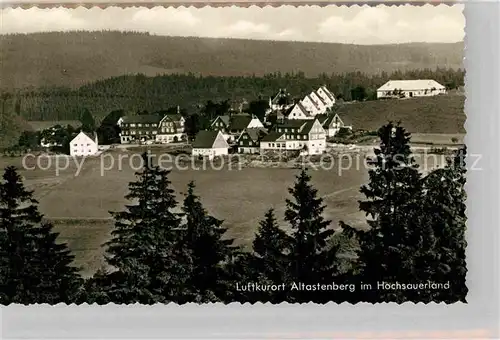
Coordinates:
<point>134,93</point>
<point>157,254</point>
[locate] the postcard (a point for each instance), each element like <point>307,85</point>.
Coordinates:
<point>219,155</point>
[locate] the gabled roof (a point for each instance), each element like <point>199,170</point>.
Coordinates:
<point>142,119</point>
<point>254,133</point>
<point>239,121</point>
<point>328,93</point>
<point>91,136</point>
<point>293,123</point>
<point>205,139</point>
<point>320,99</point>
<point>281,94</point>
<point>345,120</point>
<point>312,101</point>
<point>410,85</point>
<point>225,120</point>
<point>272,136</point>
<point>300,106</point>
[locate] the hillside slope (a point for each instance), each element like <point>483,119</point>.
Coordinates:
<point>75,58</point>
<point>439,114</point>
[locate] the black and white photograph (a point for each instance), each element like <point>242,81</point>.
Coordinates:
<point>233,154</point>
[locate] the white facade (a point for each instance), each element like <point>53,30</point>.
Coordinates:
<point>83,145</point>
<point>327,96</point>
<point>209,152</point>
<point>255,123</point>
<point>311,106</point>
<point>334,125</point>
<point>319,101</point>
<point>299,112</point>
<point>410,88</point>
<point>217,147</point>
<point>314,143</point>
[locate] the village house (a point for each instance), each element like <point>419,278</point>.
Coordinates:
<point>84,144</point>
<point>326,95</point>
<point>249,140</point>
<point>311,105</point>
<point>280,101</point>
<point>410,88</point>
<point>332,123</point>
<point>210,144</point>
<point>139,128</point>
<point>231,126</point>
<point>306,136</point>
<point>171,129</point>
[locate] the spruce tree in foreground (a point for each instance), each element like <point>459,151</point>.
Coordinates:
<point>444,209</point>
<point>393,249</point>
<point>311,260</point>
<point>270,261</point>
<point>209,252</point>
<point>34,268</point>
<point>144,249</point>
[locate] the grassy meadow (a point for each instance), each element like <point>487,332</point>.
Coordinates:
<point>79,201</point>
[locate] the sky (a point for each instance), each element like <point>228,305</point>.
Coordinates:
<point>340,24</point>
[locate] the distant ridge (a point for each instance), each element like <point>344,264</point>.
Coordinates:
<point>76,58</point>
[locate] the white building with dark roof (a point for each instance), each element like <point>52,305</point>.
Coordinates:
<point>410,88</point>
<point>84,144</point>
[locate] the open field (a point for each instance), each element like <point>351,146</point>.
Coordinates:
<point>79,205</point>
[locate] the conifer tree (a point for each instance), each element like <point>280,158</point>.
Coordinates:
<point>398,238</point>
<point>144,249</point>
<point>444,209</point>
<point>209,252</point>
<point>311,260</point>
<point>88,122</point>
<point>270,261</point>
<point>34,268</point>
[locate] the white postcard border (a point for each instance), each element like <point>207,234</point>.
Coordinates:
<point>477,319</point>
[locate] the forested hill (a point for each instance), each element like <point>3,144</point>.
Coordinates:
<point>75,58</point>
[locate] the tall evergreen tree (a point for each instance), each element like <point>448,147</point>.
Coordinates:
<point>34,268</point>
<point>311,260</point>
<point>88,122</point>
<point>444,209</point>
<point>144,249</point>
<point>203,238</point>
<point>270,263</point>
<point>392,248</point>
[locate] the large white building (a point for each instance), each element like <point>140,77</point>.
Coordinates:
<point>84,144</point>
<point>306,136</point>
<point>410,88</point>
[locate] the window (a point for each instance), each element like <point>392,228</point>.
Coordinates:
<point>245,136</point>
<point>250,143</point>
<point>154,132</point>
<point>283,145</point>
<point>88,144</point>
<point>272,145</point>
<point>132,125</point>
<point>75,144</point>
<point>139,125</point>
<point>286,130</point>
<point>279,130</point>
